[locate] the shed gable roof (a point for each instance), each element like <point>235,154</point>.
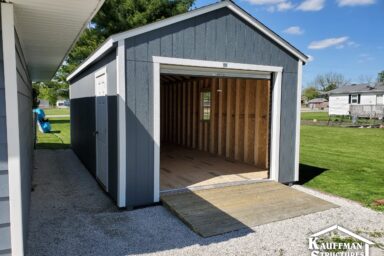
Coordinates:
<point>191,14</point>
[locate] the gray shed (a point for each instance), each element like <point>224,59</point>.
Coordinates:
<point>208,97</point>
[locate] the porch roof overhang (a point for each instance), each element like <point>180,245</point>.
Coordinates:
<point>48,29</point>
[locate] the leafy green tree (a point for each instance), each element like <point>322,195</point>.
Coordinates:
<point>380,77</point>
<point>311,93</point>
<point>51,91</point>
<point>114,16</point>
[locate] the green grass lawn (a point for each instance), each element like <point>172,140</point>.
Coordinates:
<point>59,138</point>
<point>347,162</point>
<point>320,116</point>
<point>56,111</point>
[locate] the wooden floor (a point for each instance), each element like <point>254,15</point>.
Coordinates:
<point>182,167</point>
<point>216,211</point>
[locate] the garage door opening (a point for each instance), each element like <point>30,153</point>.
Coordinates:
<point>213,130</point>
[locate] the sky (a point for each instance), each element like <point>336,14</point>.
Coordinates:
<point>343,36</point>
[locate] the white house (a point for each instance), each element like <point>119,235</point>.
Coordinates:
<point>347,98</point>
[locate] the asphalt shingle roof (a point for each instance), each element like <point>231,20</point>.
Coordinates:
<point>358,88</point>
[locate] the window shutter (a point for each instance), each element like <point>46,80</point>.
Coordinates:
<point>350,99</point>
<point>358,99</point>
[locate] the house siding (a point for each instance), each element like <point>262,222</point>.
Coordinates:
<point>220,35</point>
<point>339,103</point>
<point>83,120</point>
<point>24,98</point>
<point>5,241</point>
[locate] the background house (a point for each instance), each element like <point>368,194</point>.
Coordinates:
<point>318,103</point>
<point>362,98</point>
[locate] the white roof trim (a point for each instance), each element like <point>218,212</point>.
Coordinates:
<point>169,21</point>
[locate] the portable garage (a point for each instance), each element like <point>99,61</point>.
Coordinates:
<point>208,97</point>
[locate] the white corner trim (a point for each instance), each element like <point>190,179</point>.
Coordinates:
<point>298,118</point>
<point>156,130</point>
<point>13,130</point>
<point>276,106</point>
<point>100,51</point>
<point>275,133</point>
<point>121,95</point>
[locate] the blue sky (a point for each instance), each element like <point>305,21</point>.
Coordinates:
<point>344,36</point>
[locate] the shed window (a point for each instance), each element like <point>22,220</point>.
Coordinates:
<point>205,98</point>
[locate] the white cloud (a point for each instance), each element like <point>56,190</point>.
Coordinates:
<point>355,2</point>
<point>311,5</point>
<point>265,2</point>
<point>353,44</point>
<point>365,57</point>
<point>284,6</point>
<point>294,30</point>
<point>310,58</point>
<point>274,5</point>
<point>329,42</point>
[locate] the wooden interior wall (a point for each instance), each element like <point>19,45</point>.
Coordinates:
<point>239,125</point>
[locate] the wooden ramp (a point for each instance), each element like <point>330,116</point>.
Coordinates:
<point>219,210</point>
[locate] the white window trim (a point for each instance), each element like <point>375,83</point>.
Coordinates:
<point>276,107</point>
<point>121,186</point>
<point>13,129</point>
<point>357,99</point>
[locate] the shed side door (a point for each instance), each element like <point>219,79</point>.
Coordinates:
<point>101,128</point>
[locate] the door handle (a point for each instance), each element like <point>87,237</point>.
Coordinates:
<point>95,133</point>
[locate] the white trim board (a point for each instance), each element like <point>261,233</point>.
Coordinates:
<point>158,62</point>
<point>191,14</point>
<point>298,118</point>
<point>121,97</point>
<point>13,129</point>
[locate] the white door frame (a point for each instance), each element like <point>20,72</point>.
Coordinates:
<point>228,67</point>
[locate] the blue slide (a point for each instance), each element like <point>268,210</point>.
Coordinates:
<point>42,122</point>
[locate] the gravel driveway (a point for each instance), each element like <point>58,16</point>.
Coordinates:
<point>70,215</point>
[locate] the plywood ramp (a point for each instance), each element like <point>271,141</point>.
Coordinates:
<point>216,211</point>
<point>182,167</point>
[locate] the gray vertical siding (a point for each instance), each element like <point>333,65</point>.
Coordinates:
<point>24,98</point>
<point>5,243</point>
<point>219,36</point>
<point>83,122</point>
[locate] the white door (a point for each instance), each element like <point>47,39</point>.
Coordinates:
<point>101,128</point>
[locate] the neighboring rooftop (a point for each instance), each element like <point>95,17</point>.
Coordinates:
<point>318,100</point>
<point>358,88</point>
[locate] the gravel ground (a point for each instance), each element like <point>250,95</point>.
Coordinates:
<point>70,215</point>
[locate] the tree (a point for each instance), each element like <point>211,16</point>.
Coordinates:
<point>330,81</point>
<point>380,77</point>
<point>51,91</point>
<point>366,79</point>
<point>311,92</point>
<point>114,16</point>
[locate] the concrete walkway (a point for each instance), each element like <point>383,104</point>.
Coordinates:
<point>70,215</point>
